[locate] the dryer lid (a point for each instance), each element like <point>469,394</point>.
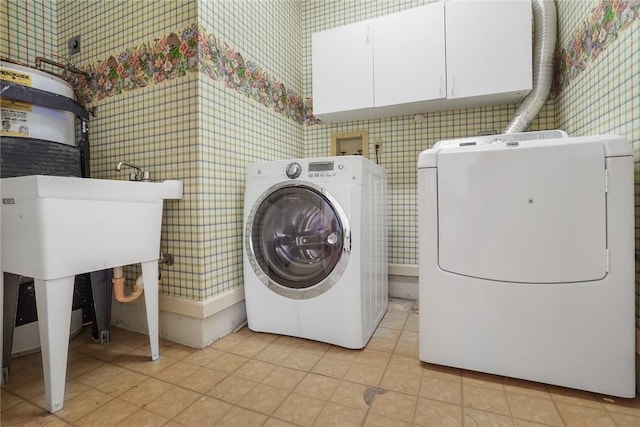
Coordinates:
<point>531,212</point>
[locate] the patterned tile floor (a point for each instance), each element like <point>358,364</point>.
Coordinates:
<point>253,379</point>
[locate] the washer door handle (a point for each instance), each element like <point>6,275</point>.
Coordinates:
<point>346,241</point>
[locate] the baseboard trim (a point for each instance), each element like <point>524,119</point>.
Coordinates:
<point>410,270</point>
<point>202,309</point>
<point>403,281</point>
<point>197,309</point>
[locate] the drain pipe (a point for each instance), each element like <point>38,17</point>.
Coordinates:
<point>544,21</point>
<point>118,286</point>
<point>118,281</point>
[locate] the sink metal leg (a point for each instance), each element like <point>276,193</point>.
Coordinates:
<point>150,279</point>
<point>9,309</point>
<point>54,299</point>
<point>102,290</point>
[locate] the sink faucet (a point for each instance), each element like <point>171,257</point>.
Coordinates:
<point>139,175</point>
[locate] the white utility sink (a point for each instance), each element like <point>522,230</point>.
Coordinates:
<point>56,227</point>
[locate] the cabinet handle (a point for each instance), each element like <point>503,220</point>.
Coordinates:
<point>452,81</point>
<point>367,35</point>
<point>440,85</point>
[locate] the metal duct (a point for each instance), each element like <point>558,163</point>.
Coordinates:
<point>544,21</point>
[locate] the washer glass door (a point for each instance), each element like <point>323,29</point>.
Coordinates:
<point>297,240</point>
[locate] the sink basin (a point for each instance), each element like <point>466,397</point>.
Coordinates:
<point>58,226</point>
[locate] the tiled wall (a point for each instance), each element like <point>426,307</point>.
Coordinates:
<point>402,138</point>
<point>233,133</point>
<point>603,95</point>
<point>28,29</point>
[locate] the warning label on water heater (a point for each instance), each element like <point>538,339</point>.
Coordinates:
<point>15,117</point>
<point>15,114</point>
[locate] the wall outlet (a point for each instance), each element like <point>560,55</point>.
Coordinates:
<point>74,45</point>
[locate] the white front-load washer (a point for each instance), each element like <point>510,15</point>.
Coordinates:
<point>527,258</point>
<point>315,248</point>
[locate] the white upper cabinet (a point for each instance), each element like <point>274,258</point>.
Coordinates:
<point>342,65</point>
<point>409,56</point>
<point>441,56</point>
<point>488,49</point>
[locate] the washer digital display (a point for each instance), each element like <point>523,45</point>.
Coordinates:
<point>320,166</point>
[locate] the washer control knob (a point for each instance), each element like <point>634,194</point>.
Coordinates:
<point>293,170</point>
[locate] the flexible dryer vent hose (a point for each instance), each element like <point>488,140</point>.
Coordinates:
<point>544,22</point>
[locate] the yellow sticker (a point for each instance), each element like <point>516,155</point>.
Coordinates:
<point>10,104</point>
<point>15,118</point>
<point>14,76</point>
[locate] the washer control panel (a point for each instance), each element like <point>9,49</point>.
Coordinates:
<point>321,170</point>
<point>314,169</point>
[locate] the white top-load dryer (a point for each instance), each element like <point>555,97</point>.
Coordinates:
<point>527,258</point>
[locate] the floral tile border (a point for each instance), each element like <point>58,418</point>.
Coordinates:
<point>594,34</point>
<point>190,51</point>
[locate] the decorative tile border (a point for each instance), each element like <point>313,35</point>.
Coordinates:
<point>190,51</point>
<point>593,35</point>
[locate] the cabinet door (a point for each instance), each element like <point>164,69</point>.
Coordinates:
<point>342,66</point>
<point>488,47</point>
<point>409,56</point>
